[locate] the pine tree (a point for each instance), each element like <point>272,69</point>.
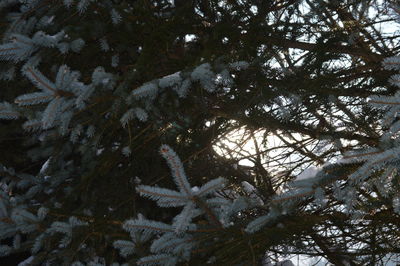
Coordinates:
<point>126,126</point>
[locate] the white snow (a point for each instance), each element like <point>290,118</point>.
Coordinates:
<point>248,187</point>
<point>310,172</point>
<point>252,191</point>
<point>170,80</point>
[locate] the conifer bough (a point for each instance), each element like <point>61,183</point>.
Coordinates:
<point>95,93</point>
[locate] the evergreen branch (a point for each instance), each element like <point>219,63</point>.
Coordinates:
<point>125,247</point>
<point>147,90</point>
<point>9,49</point>
<point>392,63</point>
<point>158,193</point>
<point>183,219</point>
<point>38,80</point>
<point>166,243</point>
<point>213,219</point>
<point>176,168</point>
<point>146,226</point>
<point>51,112</point>
<point>211,186</point>
<point>257,224</point>
<point>5,114</point>
<point>159,259</point>
<point>172,203</point>
<point>294,196</point>
<point>33,98</point>
<point>204,230</point>
<point>361,155</point>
